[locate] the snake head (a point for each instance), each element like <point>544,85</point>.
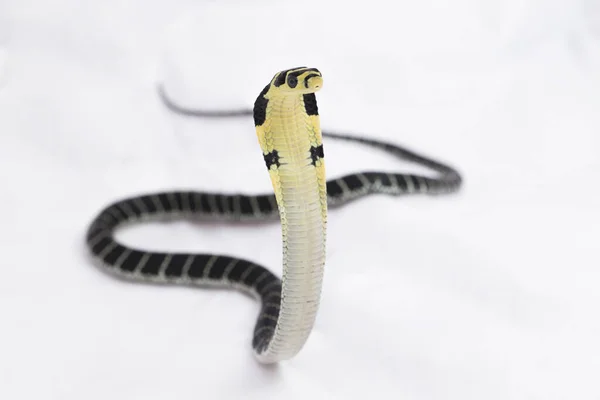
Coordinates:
<point>301,80</point>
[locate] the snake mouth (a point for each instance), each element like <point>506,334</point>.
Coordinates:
<point>313,83</point>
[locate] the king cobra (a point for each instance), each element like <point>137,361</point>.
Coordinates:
<point>287,125</point>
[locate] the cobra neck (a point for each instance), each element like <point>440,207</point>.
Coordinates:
<point>301,196</point>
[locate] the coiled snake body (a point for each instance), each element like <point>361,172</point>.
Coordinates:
<point>288,129</point>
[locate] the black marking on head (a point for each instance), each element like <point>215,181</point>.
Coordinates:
<point>280,80</point>
<point>303,70</point>
<point>272,158</point>
<point>316,153</point>
<point>260,107</point>
<point>310,104</point>
<point>307,78</point>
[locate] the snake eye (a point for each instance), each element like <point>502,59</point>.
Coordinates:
<point>292,81</point>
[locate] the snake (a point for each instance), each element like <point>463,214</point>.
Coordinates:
<point>287,125</point>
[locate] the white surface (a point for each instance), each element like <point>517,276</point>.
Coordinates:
<point>489,294</point>
<point>4,30</point>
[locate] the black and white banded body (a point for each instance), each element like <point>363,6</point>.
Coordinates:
<point>287,125</point>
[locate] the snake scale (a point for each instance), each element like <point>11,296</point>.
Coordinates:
<point>288,129</point>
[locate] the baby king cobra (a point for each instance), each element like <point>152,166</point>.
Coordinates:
<point>288,129</point>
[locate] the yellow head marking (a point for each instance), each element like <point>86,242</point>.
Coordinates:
<point>296,81</point>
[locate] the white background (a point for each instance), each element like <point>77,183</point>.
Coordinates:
<point>492,293</point>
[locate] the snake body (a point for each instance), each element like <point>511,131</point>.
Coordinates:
<point>288,129</point>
